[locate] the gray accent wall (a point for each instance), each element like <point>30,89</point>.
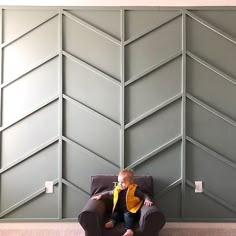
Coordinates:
<point>92,90</point>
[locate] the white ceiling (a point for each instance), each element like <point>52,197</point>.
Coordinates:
<point>118,2</point>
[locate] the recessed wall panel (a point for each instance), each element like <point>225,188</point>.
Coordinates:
<point>145,52</point>
<point>27,135</point>
<point>92,132</point>
<point>218,18</point>
<point>210,130</point>
<point>31,91</point>
<point>73,202</point>
<point>92,48</point>
<point>211,88</point>
<point>106,20</point>
<point>153,89</point>
<point>152,132</point>
<point>198,165</point>
<point>30,50</point>
<point>79,165</point>
<point>203,207</point>
<point>139,21</point>
<point>19,21</point>
<point>211,47</point>
<point>28,177</point>
<point>164,167</point>
<point>44,206</point>
<point>92,90</point>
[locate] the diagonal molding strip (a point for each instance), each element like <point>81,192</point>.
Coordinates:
<point>46,103</point>
<point>153,110</point>
<point>87,151</point>
<point>28,31</point>
<point>154,152</point>
<point>211,152</point>
<point>30,69</point>
<point>28,155</point>
<point>26,200</point>
<point>142,34</point>
<point>151,69</point>
<point>169,187</point>
<point>74,187</point>
<point>212,68</point>
<point>91,27</point>
<point>215,197</point>
<point>91,111</point>
<point>91,68</point>
<point>211,27</point>
<point>212,110</point>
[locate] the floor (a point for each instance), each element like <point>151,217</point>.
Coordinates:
<point>74,229</point>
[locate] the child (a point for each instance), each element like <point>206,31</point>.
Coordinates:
<point>127,200</point>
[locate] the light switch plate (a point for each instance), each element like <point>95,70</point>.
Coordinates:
<point>49,187</point>
<point>198,187</point>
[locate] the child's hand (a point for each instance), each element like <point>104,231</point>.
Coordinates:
<point>148,202</point>
<point>97,197</point>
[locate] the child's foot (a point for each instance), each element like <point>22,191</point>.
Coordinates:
<point>109,224</point>
<point>129,232</point>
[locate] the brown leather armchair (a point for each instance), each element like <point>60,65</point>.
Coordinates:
<point>97,212</point>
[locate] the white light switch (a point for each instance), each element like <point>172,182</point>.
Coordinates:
<point>49,187</point>
<point>198,187</point>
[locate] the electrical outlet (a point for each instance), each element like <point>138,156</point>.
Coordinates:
<point>198,187</point>
<point>49,187</point>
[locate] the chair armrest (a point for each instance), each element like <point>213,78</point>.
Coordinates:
<point>92,216</point>
<point>151,220</point>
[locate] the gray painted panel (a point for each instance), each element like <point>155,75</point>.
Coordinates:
<point>19,21</point>
<point>29,133</point>
<point>92,132</point>
<point>79,166</point>
<point>211,88</point>
<point>152,132</point>
<point>203,207</point>
<point>91,48</point>
<point>211,131</point>
<point>138,21</point>
<point>198,165</point>
<point>73,202</point>
<point>25,179</point>
<point>24,53</point>
<point>30,91</point>
<point>153,89</point>
<point>211,47</point>
<point>170,203</point>
<point>43,206</point>
<point>153,48</point>
<point>220,19</point>
<point>165,167</point>
<point>92,90</point>
<point>105,20</point>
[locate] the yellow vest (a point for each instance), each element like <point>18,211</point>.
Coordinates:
<point>133,203</point>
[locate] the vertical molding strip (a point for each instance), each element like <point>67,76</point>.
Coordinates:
<point>183,115</point>
<point>60,121</point>
<point>122,89</point>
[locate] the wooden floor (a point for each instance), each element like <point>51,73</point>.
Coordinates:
<point>74,229</point>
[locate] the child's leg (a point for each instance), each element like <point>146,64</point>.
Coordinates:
<point>117,216</point>
<point>130,219</point>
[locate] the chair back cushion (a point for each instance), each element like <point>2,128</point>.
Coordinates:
<point>101,183</point>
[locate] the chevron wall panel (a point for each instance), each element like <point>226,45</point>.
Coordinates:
<point>93,90</point>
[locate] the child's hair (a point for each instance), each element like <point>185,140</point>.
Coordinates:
<point>127,174</point>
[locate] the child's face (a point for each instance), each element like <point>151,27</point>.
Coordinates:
<point>123,182</point>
